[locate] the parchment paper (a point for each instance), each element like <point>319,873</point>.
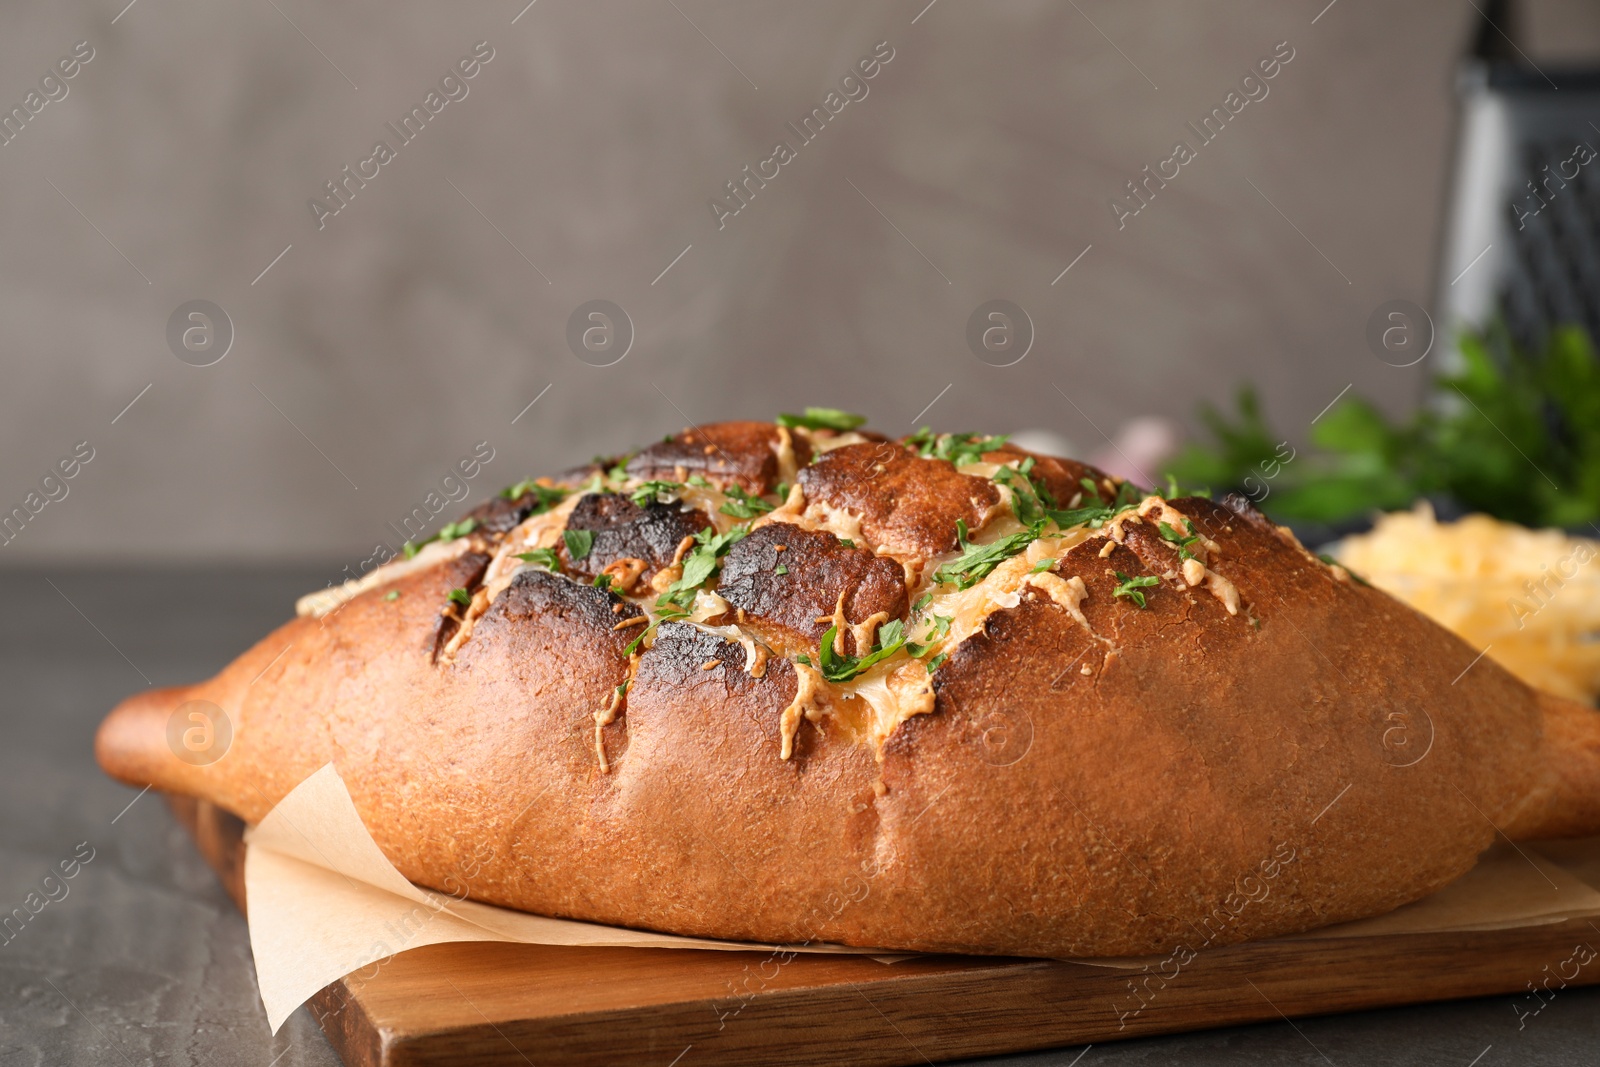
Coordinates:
<point>324,902</point>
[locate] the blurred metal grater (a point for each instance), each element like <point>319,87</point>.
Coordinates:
<point>1522,234</point>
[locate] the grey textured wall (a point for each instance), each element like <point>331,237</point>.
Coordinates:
<point>427,313</point>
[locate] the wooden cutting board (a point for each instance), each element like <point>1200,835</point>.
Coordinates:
<point>497,1004</point>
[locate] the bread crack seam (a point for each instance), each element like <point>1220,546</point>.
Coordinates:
<point>608,714</point>
<point>808,686</point>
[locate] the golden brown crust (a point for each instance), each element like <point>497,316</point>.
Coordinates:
<point>902,499</point>
<point>1268,752</point>
<point>1149,772</point>
<point>1061,478</point>
<point>772,840</point>
<point>501,513</point>
<point>741,453</point>
<point>820,575</point>
<point>624,530</point>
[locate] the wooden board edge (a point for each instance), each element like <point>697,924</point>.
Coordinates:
<point>348,1028</point>
<point>1027,1007</point>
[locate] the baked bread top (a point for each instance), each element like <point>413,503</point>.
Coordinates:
<point>796,681</point>
<point>862,561</point>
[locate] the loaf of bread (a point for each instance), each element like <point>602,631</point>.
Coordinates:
<point>799,682</point>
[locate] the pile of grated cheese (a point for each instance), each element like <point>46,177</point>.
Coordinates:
<point>1532,597</point>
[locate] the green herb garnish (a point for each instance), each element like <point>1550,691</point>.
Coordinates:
<point>1097,514</point>
<point>838,667</point>
<point>634,644</point>
<point>938,661</point>
<point>958,448</point>
<point>393,594</point>
<point>448,532</point>
<point>780,569</point>
<point>452,530</point>
<point>578,542</point>
<point>667,615</point>
<point>548,496</point>
<point>460,596</point>
<point>742,505</point>
<point>1169,533</point>
<point>1131,587</point>
<point>976,561</point>
<point>699,565</point>
<point>824,419</point>
<point>1032,503</point>
<point>544,557</point>
<point>1174,490</point>
<point>1028,500</point>
<point>941,627</point>
<point>656,493</point>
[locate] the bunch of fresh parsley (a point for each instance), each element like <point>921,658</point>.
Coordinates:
<point>1514,434</point>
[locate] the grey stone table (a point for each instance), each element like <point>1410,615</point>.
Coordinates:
<point>142,959</point>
